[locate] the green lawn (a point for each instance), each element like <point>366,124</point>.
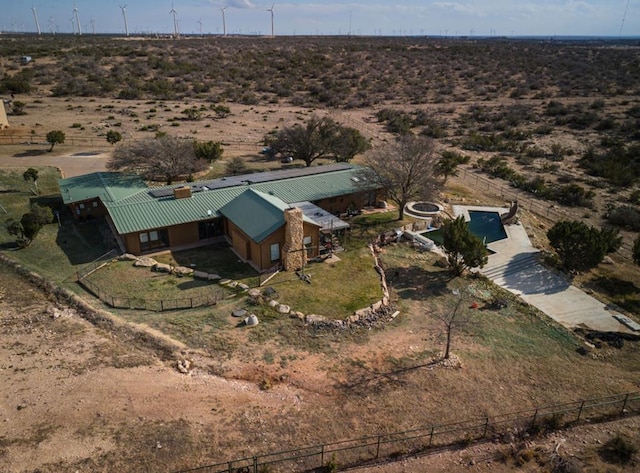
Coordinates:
<point>57,251</point>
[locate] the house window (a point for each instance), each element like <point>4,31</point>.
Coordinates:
<point>95,204</point>
<point>307,241</point>
<point>274,250</point>
<point>81,206</point>
<point>153,239</point>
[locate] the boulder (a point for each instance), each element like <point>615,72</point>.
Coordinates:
<point>213,277</point>
<point>162,268</point>
<point>254,293</point>
<point>251,320</point>
<point>201,275</point>
<point>273,303</point>
<point>224,282</point>
<point>183,271</point>
<point>145,262</point>
<point>243,286</point>
<point>314,319</point>
<point>239,313</point>
<point>284,309</point>
<point>127,257</point>
<point>233,284</point>
<point>184,366</point>
<point>269,291</point>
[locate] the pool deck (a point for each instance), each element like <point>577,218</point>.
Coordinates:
<point>515,266</point>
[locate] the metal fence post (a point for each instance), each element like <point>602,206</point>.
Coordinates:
<point>378,448</point>
<point>255,464</point>
<point>486,427</point>
<point>321,456</point>
<point>624,404</point>
<point>535,416</point>
<point>230,467</point>
<point>580,411</point>
<point>431,435</point>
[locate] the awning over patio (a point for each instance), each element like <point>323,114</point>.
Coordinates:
<point>327,221</point>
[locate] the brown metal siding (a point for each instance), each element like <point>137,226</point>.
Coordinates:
<point>132,243</point>
<point>184,234</point>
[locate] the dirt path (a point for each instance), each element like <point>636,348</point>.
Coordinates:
<point>71,164</point>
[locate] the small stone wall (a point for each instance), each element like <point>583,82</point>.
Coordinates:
<point>376,314</point>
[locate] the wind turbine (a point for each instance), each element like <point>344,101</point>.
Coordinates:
<point>200,26</point>
<point>271,11</point>
<point>224,22</point>
<point>175,22</point>
<point>75,13</point>
<point>73,25</point>
<point>35,17</point>
<point>93,26</point>
<point>52,25</point>
<point>124,15</point>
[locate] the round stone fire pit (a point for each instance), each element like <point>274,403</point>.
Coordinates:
<point>423,209</point>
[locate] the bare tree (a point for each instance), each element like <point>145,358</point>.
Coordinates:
<point>405,169</point>
<point>162,158</point>
<point>455,319</point>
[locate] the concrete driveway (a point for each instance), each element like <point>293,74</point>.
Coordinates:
<point>514,265</point>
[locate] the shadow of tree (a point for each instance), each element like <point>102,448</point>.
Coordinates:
<point>415,283</point>
<point>534,278</point>
<point>624,293</point>
<point>363,379</point>
<point>30,153</point>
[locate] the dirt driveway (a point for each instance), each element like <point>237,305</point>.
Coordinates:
<point>71,163</point>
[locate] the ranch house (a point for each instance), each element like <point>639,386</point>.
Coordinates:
<point>269,218</point>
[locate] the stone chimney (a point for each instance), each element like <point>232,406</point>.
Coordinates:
<point>293,254</point>
<point>182,192</point>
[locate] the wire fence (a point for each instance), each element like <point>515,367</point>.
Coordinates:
<point>141,303</point>
<point>41,140</point>
<point>101,141</point>
<point>385,447</point>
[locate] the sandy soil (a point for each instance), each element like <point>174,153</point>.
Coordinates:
<point>74,397</point>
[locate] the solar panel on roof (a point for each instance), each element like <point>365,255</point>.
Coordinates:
<point>247,179</point>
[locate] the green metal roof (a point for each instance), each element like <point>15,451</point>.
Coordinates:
<point>108,186</point>
<point>138,210</point>
<point>257,214</point>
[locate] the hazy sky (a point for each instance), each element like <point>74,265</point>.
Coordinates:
<point>332,17</point>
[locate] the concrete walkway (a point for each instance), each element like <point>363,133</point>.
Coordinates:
<point>514,265</point>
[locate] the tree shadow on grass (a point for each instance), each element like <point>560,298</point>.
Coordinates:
<point>82,242</point>
<point>363,379</point>
<point>624,293</point>
<point>415,283</point>
<point>194,284</point>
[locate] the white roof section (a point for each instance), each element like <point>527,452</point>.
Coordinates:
<point>327,221</point>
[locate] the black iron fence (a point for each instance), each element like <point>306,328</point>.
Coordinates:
<point>526,201</point>
<point>156,305</point>
<point>422,440</point>
<point>139,303</point>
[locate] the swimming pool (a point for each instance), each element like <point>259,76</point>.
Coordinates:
<point>486,225</point>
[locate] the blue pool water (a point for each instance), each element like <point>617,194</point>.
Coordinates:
<point>486,225</point>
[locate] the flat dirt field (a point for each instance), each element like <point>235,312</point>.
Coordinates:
<point>83,397</point>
